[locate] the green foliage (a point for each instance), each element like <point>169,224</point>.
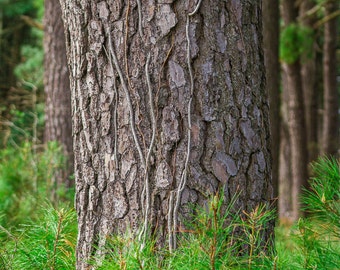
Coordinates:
<point>39,7</point>
<point>306,245</point>
<point>211,241</point>
<point>21,54</point>
<point>124,252</point>
<point>217,238</point>
<point>16,8</point>
<point>222,239</point>
<point>322,200</point>
<point>25,180</point>
<point>30,69</point>
<point>28,64</point>
<point>34,234</point>
<point>23,125</point>
<point>296,41</point>
<point>45,244</point>
<point>313,243</point>
<point>254,233</point>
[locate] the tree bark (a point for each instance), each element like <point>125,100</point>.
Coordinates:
<point>57,89</point>
<point>169,107</point>
<point>310,90</point>
<point>271,17</point>
<point>330,140</point>
<point>285,164</point>
<point>296,118</point>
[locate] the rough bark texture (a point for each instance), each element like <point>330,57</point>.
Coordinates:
<point>296,117</point>
<point>57,88</point>
<point>271,17</point>
<point>310,89</point>
<point>168,108</point>
<point>330,138</point>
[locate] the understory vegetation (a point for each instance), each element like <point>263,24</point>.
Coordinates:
<point>39,233</point>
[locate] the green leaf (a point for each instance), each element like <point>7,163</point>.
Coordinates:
<point>296,41</point>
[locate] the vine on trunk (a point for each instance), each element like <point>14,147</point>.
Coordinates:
<point>181,186</point>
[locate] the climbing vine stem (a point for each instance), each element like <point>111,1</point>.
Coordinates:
<point>183,180</point>
<point>146,189</point>
<point>139,6</point>
<point>128,99</point>
<point>108,55</point>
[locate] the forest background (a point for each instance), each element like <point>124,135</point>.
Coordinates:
<point>301,45</point>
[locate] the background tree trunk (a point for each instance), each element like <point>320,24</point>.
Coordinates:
<point>330,138</point>
<point>168,108</point>
<point>271,17</point>
<point>310,90</point>
<point>285,164</point>
<point>296,117</point>
<point>57,89</point>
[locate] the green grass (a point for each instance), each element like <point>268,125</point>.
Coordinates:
<point>38,234</point>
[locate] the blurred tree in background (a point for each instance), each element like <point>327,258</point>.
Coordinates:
<point>271,32</point>
<point>57,90</point>
<point>309,53</point>
<point>21,57</point>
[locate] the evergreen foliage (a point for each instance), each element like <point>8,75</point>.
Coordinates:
<point>25,181</point>
<point>24,124</point>
<point>47,243</point>
<point>17,8</point>
<point>296,41</point>
<point>322,200</point>
<point>34,234</point>
<point>30,69</point>
<point>217,238</point>
<point>313,243</point>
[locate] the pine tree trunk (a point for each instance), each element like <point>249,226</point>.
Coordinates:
<point>285,162</point>
<point>57,89</point>
<point>330,140</point>
<point>271,16</point>
<point>168,108</point>
<point>310,90</point>
<point>296,118</point>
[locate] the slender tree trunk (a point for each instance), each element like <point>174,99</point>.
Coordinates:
<point>57,89</point>
<point>285,184</point>
<point>310,90</point>
<point>296,117</point>
<point>330,140</point>
<point>320,89</point>
<point>169,106</point>
<point>271,17</point>
<point>285,164</point>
